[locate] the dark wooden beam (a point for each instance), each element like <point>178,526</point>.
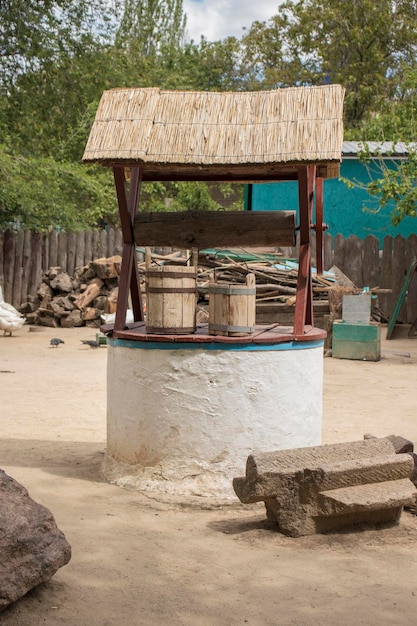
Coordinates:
<point>129,276</point>
<point>303,314</point>
<point>319,227</point>
<point>243,173</point>
<point>209,229</point>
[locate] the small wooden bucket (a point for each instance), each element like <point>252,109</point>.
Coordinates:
<point>232,308</point>
<point>171,299</point>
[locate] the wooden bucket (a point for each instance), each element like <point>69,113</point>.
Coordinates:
<point>232,308</point>
<point>171,299</point>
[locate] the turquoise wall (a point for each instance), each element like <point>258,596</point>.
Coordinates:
<point>344,210</point>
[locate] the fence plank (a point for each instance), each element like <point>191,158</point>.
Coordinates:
<point>80,249</point>
<point>71,242</point>
<point>370,259</point>
<point>88,253</point>
<point>118,242</point>
<point>95,244</point>
<point>385,279</point>
<point>17,274</point>
<point>53,249</point>
<point>35,272</point>
<point>27,254</point>
<point>103,244</point>
<point>410,255</point>
<point>110,242</point>
<point>9,259</point>
<point>339,252</point>
<point>353,260</point>
<point>328,251</point>
<point>399,271</point>
<point>1,260</point>
<point>45,252</point>
<point>62,250</point>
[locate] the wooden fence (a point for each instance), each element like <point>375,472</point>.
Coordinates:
<point>26,255</point>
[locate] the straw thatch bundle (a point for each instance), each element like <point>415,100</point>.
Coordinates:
<point>184,128</point>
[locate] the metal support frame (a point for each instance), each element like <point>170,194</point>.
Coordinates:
<point>129,276</point>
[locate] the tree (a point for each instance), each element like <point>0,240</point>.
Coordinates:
<point>41,194</point>
<point>150,27</point>
<point>357,43</point>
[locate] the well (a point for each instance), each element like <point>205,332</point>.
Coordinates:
<point>185,410</point>
<point>187,415</point>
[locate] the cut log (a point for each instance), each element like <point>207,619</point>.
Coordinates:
<point>92,291</point>
<point>106,268</point>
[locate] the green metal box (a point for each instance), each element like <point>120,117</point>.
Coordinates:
<point>360,342</point>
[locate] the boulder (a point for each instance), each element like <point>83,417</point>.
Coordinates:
<point>32,547</point>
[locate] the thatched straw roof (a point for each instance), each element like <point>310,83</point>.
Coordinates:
<point>198,135</point>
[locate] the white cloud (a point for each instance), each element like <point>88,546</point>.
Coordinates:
<point>217,19</point>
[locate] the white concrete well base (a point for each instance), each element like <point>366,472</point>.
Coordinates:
<point>182,418</point>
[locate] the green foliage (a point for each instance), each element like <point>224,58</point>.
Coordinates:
<point>150,27</point>
<point>360,45</point>
<point>42,193</point>
<point>58,56</point>
<point>187,196</point>
<point>398,186</point>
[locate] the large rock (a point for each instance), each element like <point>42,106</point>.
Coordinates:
<point>32,548</point>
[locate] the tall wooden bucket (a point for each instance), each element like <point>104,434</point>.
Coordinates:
<point>232,308</point>
<point>171,299</point>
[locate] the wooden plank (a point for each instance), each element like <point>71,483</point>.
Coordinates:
<point>96,244</point>
<point>1,259</point>
<point>385,278</point>
<point>210,229</point>
<point>71,252</point>
<point>401,298</point>
<point>17,277</point>
<point>26,262</point>
<point>62,250</point>
<point>370,261</point>
<point>353,260</point>
<point>110,242</point>
<point>328,251</point>
<point>88,253</point>
<point>9,260</point>
<point>45,252</point>
<point>410,254</point>
<point>102,243</point>
<point>118,242</point>
<point>339,252</point>
<point>53,248</point>
<point>80,249</point>
<point>35,273</point>
<point>399,271</point>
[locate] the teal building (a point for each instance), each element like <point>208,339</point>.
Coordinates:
<point>347,211</point>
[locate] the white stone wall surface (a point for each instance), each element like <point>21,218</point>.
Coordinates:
<point>183,420</point>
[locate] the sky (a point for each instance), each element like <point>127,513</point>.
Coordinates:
<point>217,19</point>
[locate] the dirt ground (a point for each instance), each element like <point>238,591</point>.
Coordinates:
<point>139,561</point>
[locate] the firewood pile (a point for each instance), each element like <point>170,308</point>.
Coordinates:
<point>276,276</point>
<point>79,300</point>
<point>88,297</point>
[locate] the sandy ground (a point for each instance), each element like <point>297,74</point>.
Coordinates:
<point>139,561</point>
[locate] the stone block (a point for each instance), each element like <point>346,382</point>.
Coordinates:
<point>320,488</point>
